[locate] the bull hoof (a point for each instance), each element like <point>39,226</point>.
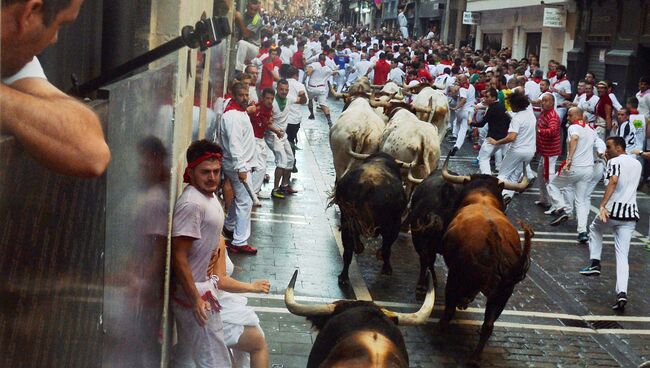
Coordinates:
<point>344,280</point>
<point>386,270</point>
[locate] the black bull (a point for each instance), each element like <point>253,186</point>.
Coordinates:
<point>371,199</point>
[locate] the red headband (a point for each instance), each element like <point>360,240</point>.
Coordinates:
<point>197,162</point>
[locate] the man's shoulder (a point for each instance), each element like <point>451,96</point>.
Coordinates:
<point>33,69</point>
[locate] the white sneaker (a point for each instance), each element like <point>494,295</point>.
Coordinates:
<point>263,195</point>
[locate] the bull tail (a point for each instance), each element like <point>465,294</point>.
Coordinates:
<point>524,260</point>
<point>358,145</point>
<point>419,158</point>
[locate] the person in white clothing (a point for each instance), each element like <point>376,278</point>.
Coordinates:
<point>464,110</point>
<point>561,89</point>
<point>396,74</point>
<point>575,172</point>
<point>295,114</point>
<point>317,87</point>
<point>240,159</point>
<point>278,143</point>
<point>619,212</point>
<point>522,139</point>
<point>532,87</point>
<point>241,326</point>
<point>62,134</point>
<point>587,103</point>
<point>626,130</point>
<point>197,223</point>
<point>403,22</point>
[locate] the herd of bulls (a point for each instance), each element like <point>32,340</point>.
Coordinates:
<point>386,153</point>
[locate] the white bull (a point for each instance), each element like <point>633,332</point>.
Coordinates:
<point>355,135</point>
<point>414,144</point>
<point>437,102</point>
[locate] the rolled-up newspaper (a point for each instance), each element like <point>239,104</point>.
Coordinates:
<point>256,202</point>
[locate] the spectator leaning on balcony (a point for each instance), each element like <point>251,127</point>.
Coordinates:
<point>62,133</point>
<point>249,25</point>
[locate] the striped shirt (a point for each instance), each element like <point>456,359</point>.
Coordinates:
<point>622,204</point>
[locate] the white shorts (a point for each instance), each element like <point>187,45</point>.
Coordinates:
<point>281,149</point>
<point>319,94</point>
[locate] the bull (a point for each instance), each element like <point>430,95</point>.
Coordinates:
<point>371,199</point>
<point>433,205</point>
<point>482,250</point>
<point>358,130</point>
<point>356,333</point>
<point>432,105</point>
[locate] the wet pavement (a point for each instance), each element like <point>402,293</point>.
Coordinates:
<point>555,318</point>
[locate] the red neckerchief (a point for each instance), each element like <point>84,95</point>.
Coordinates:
<point>537,80</point>
<point>579,122</point>
<point>558,81</point>
<point>233,106</point>
<point>589,96</point>
<point>634,111</point>
<point>445,62</point>
<point>551,74</point>
<point>465,85</point>
<point>322,63</point>
<point>197,162</point>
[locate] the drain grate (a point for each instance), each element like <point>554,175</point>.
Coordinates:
<point>606,325</point>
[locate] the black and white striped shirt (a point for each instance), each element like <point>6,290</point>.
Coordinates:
<point>622,204</point>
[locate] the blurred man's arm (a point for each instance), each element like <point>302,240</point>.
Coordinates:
<point>57,130</point>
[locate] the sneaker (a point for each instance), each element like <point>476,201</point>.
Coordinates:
<point>287,189</point>
<point>562,217</point>
<point>475,162</point>
<point>245,249</point>
<point>294,170</point>
<point>452,138</point>
<point>477,147</point>
<point>267,178</point>
<point>593,270</point>
<point>506,200</point>
<point>583,237</point>
<point>553,211</point>
<point>311,117</point>
<point>228,234</point>
<point>621,300</point>
<point>263,195</point>
<point>453,151</point>
<point>277,193</point>
<point>542,204</point>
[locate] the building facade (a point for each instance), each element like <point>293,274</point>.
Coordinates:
<point>521,25</point>
<point>613,42</point>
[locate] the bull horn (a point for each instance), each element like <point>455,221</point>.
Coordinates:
<point>405,165</point>
<point>338,95</point>
<point>304,310</point>
<point>412,179</point>
<point>453,179</point>
<point>420,317</point>
<point>406,92</point>
<point>376,86</point>
<point>431,112</point>
<point>518,187</point>
<point>425,110</point>
<point>377,103</point>
<point>358,156</point>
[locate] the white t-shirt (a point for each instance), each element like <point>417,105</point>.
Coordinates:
<point>401,19</point>
<point>627,132</point>
<point>524,124</point>
<point>644,102</point>
<point>470,95</point>
<point>589,106</point>
<point>584,153</point>
<point>200,217</point>
<point>285,54</point>
<point>532,90</point>
<point>320,74</point>
<point>564,86</point>
<point>397,76</point>
<point>638,123</point>
<point>281,117</point>
<point>622,204</point>
<point>295,116</point>
<point>33,69</point>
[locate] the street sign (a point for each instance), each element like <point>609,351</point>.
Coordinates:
<point>471,18</point>
<point>554,17</point>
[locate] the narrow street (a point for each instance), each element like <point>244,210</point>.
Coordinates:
<point>556,317</point>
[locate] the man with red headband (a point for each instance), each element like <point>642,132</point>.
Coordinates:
<point>198,219</point>
<point>239,161</point>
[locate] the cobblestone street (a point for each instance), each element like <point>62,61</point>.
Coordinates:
<point>556,317</point>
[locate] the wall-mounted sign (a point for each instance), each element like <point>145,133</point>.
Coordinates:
<point>554,17</point>
<point>471,18</point>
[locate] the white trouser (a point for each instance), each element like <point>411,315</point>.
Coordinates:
<point>622,235</point>
<point>258,176</point>
<point>482,133</point>
<point>487,151</point>
<point>596,176</point>
<point>239,214</point>
<point>340,80</point>
<point>301,76</point>
<point>281,149</point>
<point>461,126</point>
<point>245,51</point>
<point>512,167</point>
<point>578,178</point>
<point>199,347</point>
<point>542,183</point>
<point>404,31</point>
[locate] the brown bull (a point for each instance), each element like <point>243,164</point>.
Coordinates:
<point>482,250</point>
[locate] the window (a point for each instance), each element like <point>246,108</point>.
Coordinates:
<point>492,41</point>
